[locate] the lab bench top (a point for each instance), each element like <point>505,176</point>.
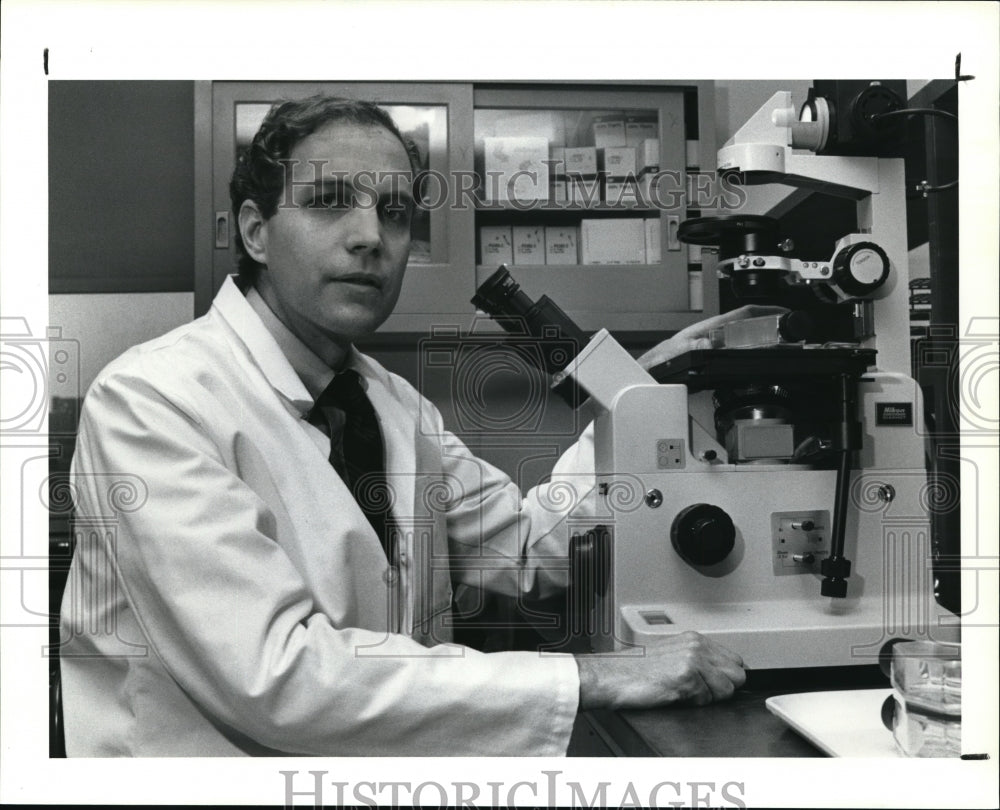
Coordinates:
<point>739,727</point>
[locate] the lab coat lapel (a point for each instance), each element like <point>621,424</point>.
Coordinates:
<point>415,474</point>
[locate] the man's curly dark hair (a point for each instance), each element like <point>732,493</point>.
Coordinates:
<point>259,174</point>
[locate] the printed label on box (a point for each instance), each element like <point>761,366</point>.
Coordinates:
<point>619,161</point>
<point>516,169</point>
<point>529,244</point>
<point>560,245</point>
<point>581,161</point>
<point>609,131</point>
<point>640,127</point>
<point>495,245</point>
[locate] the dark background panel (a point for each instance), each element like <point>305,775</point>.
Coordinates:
<point>121,186</point>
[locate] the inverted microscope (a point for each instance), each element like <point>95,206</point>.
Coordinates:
<point>769,492</point>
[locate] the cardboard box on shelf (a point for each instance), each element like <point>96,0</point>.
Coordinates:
<point>584,191</point>
<point>619,161</point>
<point>495,245</point>
<point>612,241</point>
<point>561,245</point>
<point>649,155</point>
<point>516,169</point>
<point>648,185</point>
<point>581,161</point>
<point>621,193</point>
<point>529,244</point>
<point>609,130</point>
<point>640,127</point>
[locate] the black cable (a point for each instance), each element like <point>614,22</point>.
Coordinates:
<point>922,189</point>
<point>915,111</point>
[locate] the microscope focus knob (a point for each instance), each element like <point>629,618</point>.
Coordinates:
<point>703,534</point>
<point>861,268</point>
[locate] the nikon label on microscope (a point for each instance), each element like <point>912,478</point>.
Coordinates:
<point>894,413</point>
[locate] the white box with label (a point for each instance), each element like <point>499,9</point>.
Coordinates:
<point>619,161</point>
<point>609,130</point>
<point>581,161</point>
<point>495,245</point>
<point>529,244</point>
<point>561,245</point>
<point>640,127</point>
<point>584,191</point>
<point>621,193</point>
<point>649,155</point>
<point>612,241</point>
<point>516,169</point>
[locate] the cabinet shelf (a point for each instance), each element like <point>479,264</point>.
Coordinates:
<point>484,270</point>
<point>548,210</point>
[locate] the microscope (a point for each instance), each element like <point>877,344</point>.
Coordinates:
<point>769,492</point>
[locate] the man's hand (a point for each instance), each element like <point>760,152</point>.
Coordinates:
<point>686,668</point>
<point>696,335</point>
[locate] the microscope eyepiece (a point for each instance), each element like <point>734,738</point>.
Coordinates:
<point>501,298</point>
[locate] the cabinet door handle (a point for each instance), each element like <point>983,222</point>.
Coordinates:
<point>222,229</point>
<point>673,224</point>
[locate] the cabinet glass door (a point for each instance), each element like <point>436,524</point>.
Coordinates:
<point>580,192</point>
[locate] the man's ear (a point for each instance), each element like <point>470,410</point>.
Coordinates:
<point>253,230</point>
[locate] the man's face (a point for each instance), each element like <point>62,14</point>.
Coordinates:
<point>336,249</point>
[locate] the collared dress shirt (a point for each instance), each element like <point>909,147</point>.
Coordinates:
<point>228,596</point>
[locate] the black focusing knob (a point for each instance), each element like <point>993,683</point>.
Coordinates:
<point>860,269</point>
<point>703,534</point>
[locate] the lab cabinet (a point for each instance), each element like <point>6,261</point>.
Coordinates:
<point>613,257</point>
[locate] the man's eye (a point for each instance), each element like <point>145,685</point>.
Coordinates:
<point>395,213</point>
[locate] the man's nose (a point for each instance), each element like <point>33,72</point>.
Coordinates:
<point>364,234</point>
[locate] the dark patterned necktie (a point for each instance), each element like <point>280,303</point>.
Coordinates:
<point>356,449</point>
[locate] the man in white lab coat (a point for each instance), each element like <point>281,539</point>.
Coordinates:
<point>228,594</point>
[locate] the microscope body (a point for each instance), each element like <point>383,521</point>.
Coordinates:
<point>771,492</point>
<point>734,550</point>
<point>732,485</point>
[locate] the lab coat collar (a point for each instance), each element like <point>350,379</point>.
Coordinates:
<point>290,366</point>
<point>314,373</point>
<point>232,305</point>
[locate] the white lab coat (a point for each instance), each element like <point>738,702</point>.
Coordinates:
<point>228,596</point>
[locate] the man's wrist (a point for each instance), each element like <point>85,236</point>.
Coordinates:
<point>589,682</point>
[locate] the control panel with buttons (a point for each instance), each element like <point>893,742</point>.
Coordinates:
<point>800,541</point>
